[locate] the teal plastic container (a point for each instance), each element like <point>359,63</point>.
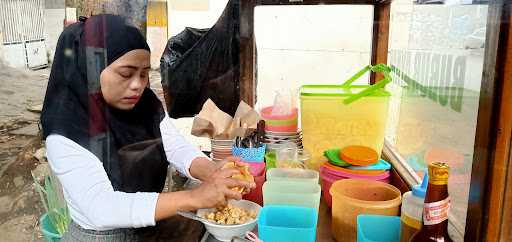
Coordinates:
<point>287,224</point>
<point>305,194</point>
<point>378,228</point>
<point>49,232</point>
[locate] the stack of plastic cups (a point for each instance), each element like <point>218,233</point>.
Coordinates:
<point>280,123</point>
<point>291,197</point>
<point>254,157</point>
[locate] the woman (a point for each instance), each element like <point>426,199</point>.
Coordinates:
<point>109,141</point>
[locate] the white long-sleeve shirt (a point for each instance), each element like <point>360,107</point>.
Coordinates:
<point>91,199</point>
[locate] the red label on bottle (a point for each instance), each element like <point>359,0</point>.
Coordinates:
<point>436,212</point>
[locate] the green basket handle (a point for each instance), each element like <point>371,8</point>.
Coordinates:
<point>384,69</point>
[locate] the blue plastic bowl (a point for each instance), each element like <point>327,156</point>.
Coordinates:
<point>279,223</point>
<point>378,228</point>
<point>250,154</point>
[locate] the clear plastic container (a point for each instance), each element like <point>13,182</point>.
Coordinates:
<point>288,156</point>
<point>412,210</point>
<point>327,122</point>
<point>290,174</point>
<point>304,194</point>
<point>352,197</point>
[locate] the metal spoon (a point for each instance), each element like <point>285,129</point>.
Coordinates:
<point>192,216</point>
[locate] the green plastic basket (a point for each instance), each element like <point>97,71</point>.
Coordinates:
<point>49,232</point>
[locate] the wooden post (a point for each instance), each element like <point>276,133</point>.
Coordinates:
<point>485,205</point>
<point>247,53</point>
<point>500,192</point>
<point>381,16</point>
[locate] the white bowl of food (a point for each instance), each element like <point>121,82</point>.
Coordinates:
<point>236,219</point>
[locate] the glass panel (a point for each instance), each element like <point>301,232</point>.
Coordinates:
<point>436,52</point>
<point>297,45</point>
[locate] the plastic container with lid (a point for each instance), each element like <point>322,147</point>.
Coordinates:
<point>305,194</point>
<point>412,210</point>
<point>290,174</point>
<point>352,197</point>
<point>327,121</point>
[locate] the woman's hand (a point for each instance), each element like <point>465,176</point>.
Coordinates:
<point>214,191</point>
<point>217,189</point>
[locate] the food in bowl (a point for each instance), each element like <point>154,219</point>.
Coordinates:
<point>230,215</point>
<point>224,232</point>
<point>244,175</point>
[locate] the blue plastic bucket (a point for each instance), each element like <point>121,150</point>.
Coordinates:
<point>378,228</point>
<point>49,232</point>
<point>279,223</point>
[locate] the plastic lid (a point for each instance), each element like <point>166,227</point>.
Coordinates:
<point>421,190</point>
<point>358,155</point>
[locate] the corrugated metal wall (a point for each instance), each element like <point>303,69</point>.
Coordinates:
<point>22,20</point>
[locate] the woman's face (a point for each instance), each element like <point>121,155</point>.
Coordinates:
<point>123,81</point>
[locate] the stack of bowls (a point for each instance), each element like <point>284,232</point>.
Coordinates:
<point>275,140</point>
<point>352,162</point>
<point>221,149</point>
<point>280,123</point>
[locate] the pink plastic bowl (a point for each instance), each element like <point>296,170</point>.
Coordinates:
<point>328,177</point>
<point>256,168</point>
<point>285,128</point>
<point>266,113</point>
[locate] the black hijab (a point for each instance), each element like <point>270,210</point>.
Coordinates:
<point>126,142</point>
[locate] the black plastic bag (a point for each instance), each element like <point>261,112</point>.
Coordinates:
<point>198,64</point>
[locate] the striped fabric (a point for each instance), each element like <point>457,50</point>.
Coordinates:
<point>78,234</point>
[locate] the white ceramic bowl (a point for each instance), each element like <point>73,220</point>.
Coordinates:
<point>227,232</point>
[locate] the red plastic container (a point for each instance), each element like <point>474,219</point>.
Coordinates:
<point>329,176</point>
<point>256,194</point>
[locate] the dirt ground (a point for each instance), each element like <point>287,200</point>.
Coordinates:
<point>20,208</point>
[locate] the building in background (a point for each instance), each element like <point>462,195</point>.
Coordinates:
<point>54,15</point>
<point>30,30</point>
<point>156,32</point>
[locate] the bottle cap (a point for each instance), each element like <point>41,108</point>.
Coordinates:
<point>438,173</point>
<point>421,189</point>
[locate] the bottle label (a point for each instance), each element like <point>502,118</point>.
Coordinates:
<point>436,212</point>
